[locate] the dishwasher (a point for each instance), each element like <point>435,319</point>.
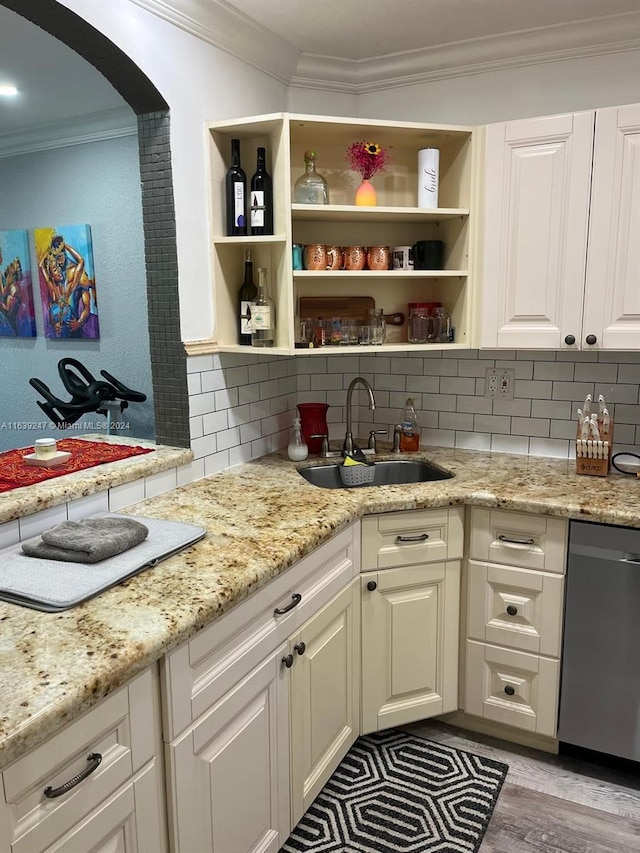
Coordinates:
<point>600,688</point>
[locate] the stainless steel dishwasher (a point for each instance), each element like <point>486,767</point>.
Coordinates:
<point>600,689</point>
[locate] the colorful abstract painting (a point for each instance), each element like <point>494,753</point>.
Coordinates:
<point>67,281</point>
<point>17,318</point>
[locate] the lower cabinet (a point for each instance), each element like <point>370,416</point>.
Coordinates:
<point>325,695</point>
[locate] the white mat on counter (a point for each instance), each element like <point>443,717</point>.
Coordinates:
<point>54,585</point>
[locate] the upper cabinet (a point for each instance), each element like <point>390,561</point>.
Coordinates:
<point>562,206</point>
<point>396,220</point>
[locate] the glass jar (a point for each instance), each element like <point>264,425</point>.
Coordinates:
<point>418,323</point>
<point>378,326</point>
<point>310,188</point>
<point>441,326</point>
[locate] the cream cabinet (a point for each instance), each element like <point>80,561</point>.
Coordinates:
<point>561,259</point>
<point>410,590</point>
<point>325,696</point>
<point>118,801</point>
<point>243,695</point>
<point>514,595</point>
<point>395,220</point>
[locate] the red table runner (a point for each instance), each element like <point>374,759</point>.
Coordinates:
<point>15,473</point>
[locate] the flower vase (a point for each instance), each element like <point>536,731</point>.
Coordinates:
<point>366,195</point>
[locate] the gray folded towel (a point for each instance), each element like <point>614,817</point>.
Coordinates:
<point>88,541</point>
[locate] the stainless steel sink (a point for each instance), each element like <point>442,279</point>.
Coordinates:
<point>387,472</point>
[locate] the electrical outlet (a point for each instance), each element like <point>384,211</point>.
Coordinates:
<point>498,383</point>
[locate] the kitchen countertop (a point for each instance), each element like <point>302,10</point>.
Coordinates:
<point>261,518</point>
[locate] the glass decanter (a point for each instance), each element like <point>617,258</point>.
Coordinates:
<point>310,188</point>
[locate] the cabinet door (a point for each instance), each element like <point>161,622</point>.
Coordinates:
<point>538,175</point>
<point>325,690</point>
<point>612,295</point>
<point>409,644</point>
<point>229,773</point>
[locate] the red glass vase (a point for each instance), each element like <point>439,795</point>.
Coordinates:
<point>313,420</point>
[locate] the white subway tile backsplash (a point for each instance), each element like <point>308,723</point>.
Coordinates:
<point>90,504</point>
<point>549,447</point>
<point>415,384</point>
<point>530,426</point>
<point>248,393</point>
<point>534,389</point>
<point>196,428</point>
<point>190,472</point>
<point>476,405</point>
<point>554,370</point>
<point>455,420</point>
<point>215,421</point>
<point>617,393</point>
<point>521,408</point>
<point>440,367</point>
<point>158,484</point>
<point>522,369</point>
<point>194,385</point>
<point>571,390</point>
<point>200,404</point>
<point>476,368</point>
<point>326,381</point>
<point>492,423</point>
<point>196,363</point>
<point>509,444</point>
<point>439,437</point>
<point>125,495</point>
<point>563,429</point>
<point>551,409</point>
<point>239,415</point>
<point>216,462</point>
<point>226,398</point>
<point>439,402</point>
<point>629,373</point>
<point>212,380</point>
<point>228,438</point>
<point>406,366</point>
<point>627,414</point>
<point>577,355</point>
<point>9,534</point>
<point>596,373</point>
<point>473,440</point>
<point>624,433</point>
<point>392,382</point>
<point>204,446</point>
<point>457,385</point>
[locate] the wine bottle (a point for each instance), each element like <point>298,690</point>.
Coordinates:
<point>261,199</point>
<point>236,190</point>
<point>246,295</point>
<point>263,314</point>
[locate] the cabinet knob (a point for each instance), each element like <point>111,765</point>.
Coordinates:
<point>287,660</point>
<point>509,690</point>
<point>591,340</point>
<point>570,340</point>
<point>299,647</point>
<point>512,610</point>
<point>371,586</point>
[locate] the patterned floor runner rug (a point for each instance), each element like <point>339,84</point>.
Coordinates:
<point>397,793</point>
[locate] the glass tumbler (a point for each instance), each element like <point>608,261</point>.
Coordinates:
<point>377,325</point>
<point>441,325</point>
<point>418,325</point>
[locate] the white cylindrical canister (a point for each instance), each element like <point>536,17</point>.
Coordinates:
<point>428,177</point>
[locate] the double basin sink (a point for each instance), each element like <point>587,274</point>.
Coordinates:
<point>387,472</point>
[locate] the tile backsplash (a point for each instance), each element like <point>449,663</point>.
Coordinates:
<point>241,405</point>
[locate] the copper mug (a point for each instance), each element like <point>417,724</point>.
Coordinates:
<point>335,258</point>
<point>378,257</point>
<point>315,256</point>
<point>355,257</point>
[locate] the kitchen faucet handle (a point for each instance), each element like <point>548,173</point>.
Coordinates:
<point>372,438</point>
<point>397,432</point>
<point>324,451</point>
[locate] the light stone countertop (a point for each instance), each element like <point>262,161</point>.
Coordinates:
<point>261,518</point>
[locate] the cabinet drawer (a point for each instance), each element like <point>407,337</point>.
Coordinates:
<point>513,688</point>
<point>518,539</point>
<point>120,728</point>
<point>199,672</point>
<point>407,538</point>
<point>514,607</point>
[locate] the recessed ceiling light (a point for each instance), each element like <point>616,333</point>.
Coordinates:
<point>8,90</point>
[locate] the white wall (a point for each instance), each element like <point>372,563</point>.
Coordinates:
<point>200,83</point>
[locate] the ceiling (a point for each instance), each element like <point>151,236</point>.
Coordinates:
<point>341,45</point>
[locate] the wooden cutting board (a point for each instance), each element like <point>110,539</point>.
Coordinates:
<point>351,307</point>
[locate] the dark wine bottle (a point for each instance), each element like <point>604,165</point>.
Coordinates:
<point>246,295</point>
<point>261,199</point>
<point>236,194</point>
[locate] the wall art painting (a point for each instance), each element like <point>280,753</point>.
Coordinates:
<point>17,317</point>
<point>67,281</point>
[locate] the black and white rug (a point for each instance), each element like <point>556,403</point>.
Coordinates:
<point>398,793</point>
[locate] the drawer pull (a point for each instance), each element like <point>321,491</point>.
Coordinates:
<point>371,585</point>
<point>509,690</point>
<point>296,598</point>
<point>512,610</point>
<point>287,660</point>
<point>421,537</point>
<point>514,540</point>
<point>95,758</point>
<point>300,648</point>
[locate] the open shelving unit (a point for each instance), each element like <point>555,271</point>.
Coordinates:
<point>395,221</point>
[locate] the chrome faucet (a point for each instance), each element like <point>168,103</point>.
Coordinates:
<point>347,448</point>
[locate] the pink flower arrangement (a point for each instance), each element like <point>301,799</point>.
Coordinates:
<point>367,158</point>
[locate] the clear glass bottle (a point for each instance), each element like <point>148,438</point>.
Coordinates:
<point>263,314</point>
<point>310,188</point>
<point>410,435</point>
<point>297,449</point>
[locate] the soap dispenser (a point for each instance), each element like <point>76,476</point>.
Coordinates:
<point>297,449</point>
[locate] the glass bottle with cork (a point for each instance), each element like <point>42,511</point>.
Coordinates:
<point>261,199</point>
<point>235,195</point>
<point>310,188</point>
<point>246,295</point>
<point>410,435</point>
<point>263,314</point>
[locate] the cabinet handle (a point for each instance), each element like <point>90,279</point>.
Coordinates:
<point>570,340</point>
<point>516,540</point>
<point>421,537</point>
<point>509,690</point>
<point>372,585</point>
<point>512,610</point>
<point>300,647</point>
<point>287,660</point>
<point>95,758</point>
<point>591,340</point>
<point>296,598</point>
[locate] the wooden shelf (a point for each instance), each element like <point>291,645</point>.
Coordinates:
<point>270,239</point>
<point>351,213</point>
<point>358,275</point>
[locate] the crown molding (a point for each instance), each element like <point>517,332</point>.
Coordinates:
<point>219,24</point>
<point>96,127</point>
<point>613,34</point>
<point>223,26</point>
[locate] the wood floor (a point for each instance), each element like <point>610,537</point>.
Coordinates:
<point>550,803</point>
